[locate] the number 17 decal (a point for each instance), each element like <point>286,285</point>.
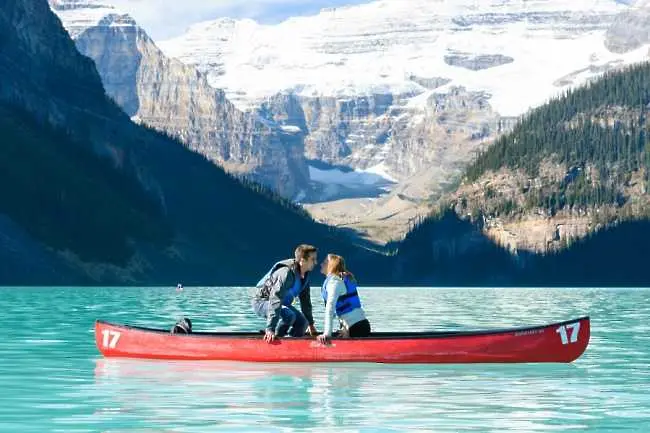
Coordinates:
<point>110,338</point>
<point>572,335</point>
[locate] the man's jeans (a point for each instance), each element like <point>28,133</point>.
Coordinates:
<point>291,320</point>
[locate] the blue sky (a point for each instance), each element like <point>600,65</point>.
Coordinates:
<point>163,19</point>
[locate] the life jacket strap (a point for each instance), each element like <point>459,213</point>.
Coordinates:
<point>348,296</point>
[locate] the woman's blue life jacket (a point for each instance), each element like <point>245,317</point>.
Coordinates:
<point>345,303</point>
<point>294,291</point>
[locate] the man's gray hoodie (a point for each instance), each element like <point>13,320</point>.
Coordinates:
<point>276,287</point>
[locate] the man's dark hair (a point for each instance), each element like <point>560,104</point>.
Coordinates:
<point>303,251</point>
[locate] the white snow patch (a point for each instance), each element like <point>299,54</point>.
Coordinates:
<point>420,100</point>
<point>351,179</point>
<point>77,16</point>
<point>290,128</point>
<point>380,170</point>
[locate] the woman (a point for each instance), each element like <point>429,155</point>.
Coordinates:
<point>341,298</point>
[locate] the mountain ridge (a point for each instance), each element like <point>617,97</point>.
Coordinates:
<point>562,199</point>
<point>200,204</point>
<point>424,96</point>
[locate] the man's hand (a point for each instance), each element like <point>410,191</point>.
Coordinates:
<point>312,331</point>
<point>269,336</point>
<point>323,339</point>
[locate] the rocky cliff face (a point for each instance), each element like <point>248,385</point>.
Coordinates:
<point>42,73</point>
<point>533,231</point>
<point>35,76</point>
<point>404,155</point>
<point>169,96</point>
<point>498,202</point>
<point>381,134</point>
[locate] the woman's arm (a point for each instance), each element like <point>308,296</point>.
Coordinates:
<point>335,288</point>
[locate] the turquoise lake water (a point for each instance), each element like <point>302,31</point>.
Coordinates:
<point>52,378</point>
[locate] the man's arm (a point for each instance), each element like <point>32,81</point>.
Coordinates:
<point>305,306</point>
<point>277,293</point>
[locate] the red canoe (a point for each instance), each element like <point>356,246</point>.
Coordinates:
<point>558,342</point>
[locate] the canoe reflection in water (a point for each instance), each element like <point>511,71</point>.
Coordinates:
<point>181,395</point>
<point>231,394</point>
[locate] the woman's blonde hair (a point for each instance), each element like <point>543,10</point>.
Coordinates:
<point>336,265</point>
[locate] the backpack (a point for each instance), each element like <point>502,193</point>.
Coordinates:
<point>183,326</point>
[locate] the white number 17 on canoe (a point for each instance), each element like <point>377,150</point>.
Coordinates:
<point>569,333</point>
<point>110,338</point>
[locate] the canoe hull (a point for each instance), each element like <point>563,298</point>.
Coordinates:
<point>559,342</point>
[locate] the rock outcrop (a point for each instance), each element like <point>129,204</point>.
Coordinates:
<point>172,97</point>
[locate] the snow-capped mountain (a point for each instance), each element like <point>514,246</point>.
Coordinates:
<point>519,51</point>
<point>384,69</point>
<point>79,15</point>
<point>394,94</point>
<point>406,89</point>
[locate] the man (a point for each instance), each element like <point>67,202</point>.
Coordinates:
<point>276,291</point>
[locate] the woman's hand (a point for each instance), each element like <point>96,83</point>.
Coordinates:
<point>323,339</point>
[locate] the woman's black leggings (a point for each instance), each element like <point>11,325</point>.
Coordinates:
<point>360,329</point>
